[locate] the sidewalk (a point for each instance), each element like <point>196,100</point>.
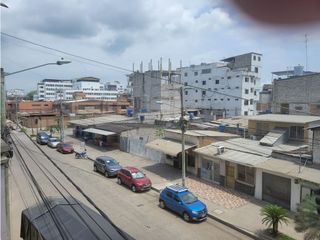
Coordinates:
<point>233,208</point>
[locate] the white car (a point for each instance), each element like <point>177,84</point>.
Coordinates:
<point>53,142</point>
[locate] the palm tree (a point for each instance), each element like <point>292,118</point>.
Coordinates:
<point>273,215</point>
<point>307,219</point>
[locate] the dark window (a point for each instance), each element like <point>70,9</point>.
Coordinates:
<point>215,99</point>
<point>237,87</point>
<point>203,93</point>
<point>237,99</point>
<point>209,99</point>
<point>196,90</point>
<point>217,81</point>
<point>296,132</point>
<point>196,100</point>
<point>186,92</point>
<point>246,113</point>
<point>251,90</point>
<point>254,57</point>
<point>205,71</point>
<point>204,82</point>
<point>222,88</point>
<point>196,81</point>
<point>209,78</point>
<point>251,101</point>
<point>259,59</point>
<point>186,74</point>
<point>169,194</point>
<point>256,69</point>
<point>229,77</point>
<point>185,83</point>
<point>196,73</point>
<point>245,174</point>
<point>246,102</point>
<point>221,99</point>
<point>238,76</point>
<point>246,79</point>
<point>255,93</point>
<point>246,91</point>
<point>228,99</point>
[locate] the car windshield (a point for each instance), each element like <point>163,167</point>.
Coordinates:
<point>67,145</point>
<point>188,198</point>
<point>111,162</point>
<point>53,139</point>
<point>137,175</point>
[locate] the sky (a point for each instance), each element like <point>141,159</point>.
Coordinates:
<point>126,32</point>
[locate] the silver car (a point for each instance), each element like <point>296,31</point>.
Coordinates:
<point>53,142</point>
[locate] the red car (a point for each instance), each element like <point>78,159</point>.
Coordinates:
<point>134,178</point>
<point>65,148</point>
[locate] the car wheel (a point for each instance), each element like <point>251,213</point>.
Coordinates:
<point>186,217</point>
<point>119,181</point>
<point>106,173</point>
<point>95,168</point>
<point>162,204</point>
<point>133,188</point>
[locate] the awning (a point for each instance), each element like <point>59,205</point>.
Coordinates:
<point>170,147</point>
<point>291,169</point>
<point>100,132</point>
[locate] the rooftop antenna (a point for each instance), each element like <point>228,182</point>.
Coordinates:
<point>306,42</point>
<point>132,67</point>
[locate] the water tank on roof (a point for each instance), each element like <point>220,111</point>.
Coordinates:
<point>298,70</point>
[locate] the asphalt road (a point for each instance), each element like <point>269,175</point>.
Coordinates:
<point>136,213</point>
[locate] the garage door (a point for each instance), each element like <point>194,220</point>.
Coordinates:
<point>276,190</point>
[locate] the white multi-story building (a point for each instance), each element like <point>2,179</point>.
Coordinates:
<point>231,86</point>
<point>54,89</point>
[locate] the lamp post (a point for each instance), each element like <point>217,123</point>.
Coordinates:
<point>3,98</point>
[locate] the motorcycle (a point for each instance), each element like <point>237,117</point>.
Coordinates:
<point>82,155</point>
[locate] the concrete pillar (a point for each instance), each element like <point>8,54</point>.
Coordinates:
<point>222,168</point>
<point>295,195</point>
<point>258,184</point>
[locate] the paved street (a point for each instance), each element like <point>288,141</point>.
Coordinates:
<point>137,214</point>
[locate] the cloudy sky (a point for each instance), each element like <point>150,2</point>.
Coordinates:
<point>124,32</point>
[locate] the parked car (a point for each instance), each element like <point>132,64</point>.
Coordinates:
<point>106,165</point>
<point>65,148</point>
<point>134,178</point>
<point>180,200</point>
<point>42,138</point>
<point>53,142</point>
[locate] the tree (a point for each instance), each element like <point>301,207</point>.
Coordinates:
<point>307,219</point>
<point>273,215</point>
<point>30,94</point>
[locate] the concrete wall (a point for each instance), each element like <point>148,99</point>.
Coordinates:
<point>299,92</point>
<point>316,146</point>
<point>258,184</point>
<point>295,195</point>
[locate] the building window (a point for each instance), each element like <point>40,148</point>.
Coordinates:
<point>236,99</point>
<point>217,81</point>
<point>185,83</point>
<point>254,57</point>
<point>209,99</point>
<point>259,59</point>
<point>186,92</point>
<point>196,90</point>
<point>195,73</point>
<point>251,90</point>
<point>251,101</point>
<point>245,174</point>
<point>186,74</point>
<point>205,71</point>
<point>246,102</point>
<point>228,99</point>
<point>216,99</point>
<point>209,78</point>
<point>204,82</point>
<point>296,132</point>
<point>196,81</point>
<point>246,79</point>
<point>238,76</point>
<point>196,100</point>
<point>246,91</point>
<point>203,93</point>
<point>221,99</point>
<point>245,113</point>
<point>255,93</point>
<point>237,87</point>
<point>229,77</point>
<point>256,69</point>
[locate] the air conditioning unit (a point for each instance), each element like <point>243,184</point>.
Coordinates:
<point>220,150</point>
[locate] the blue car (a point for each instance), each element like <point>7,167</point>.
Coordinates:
<point>106,165</point>
<point>180,200</point>
<point>42,138</point>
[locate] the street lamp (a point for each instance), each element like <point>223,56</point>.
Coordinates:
<point>3,98</point>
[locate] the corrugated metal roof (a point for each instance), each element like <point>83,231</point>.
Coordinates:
<point>98,120</point>
<point>242,158</point>
<point>291,169</point>
<point>203,133</point>
<point>272,137</point>
<point>114,127</point>
<point>286,118</point>
<point>100,132</point>
<point>167,146</point>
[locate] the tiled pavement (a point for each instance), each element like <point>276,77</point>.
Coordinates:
<point>227,198</point>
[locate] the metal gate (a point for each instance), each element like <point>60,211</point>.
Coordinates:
<point>276,190</point>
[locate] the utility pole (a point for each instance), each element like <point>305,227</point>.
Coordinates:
<point>61,118</point>
<point>183,130</point>
<point>3,103</point>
